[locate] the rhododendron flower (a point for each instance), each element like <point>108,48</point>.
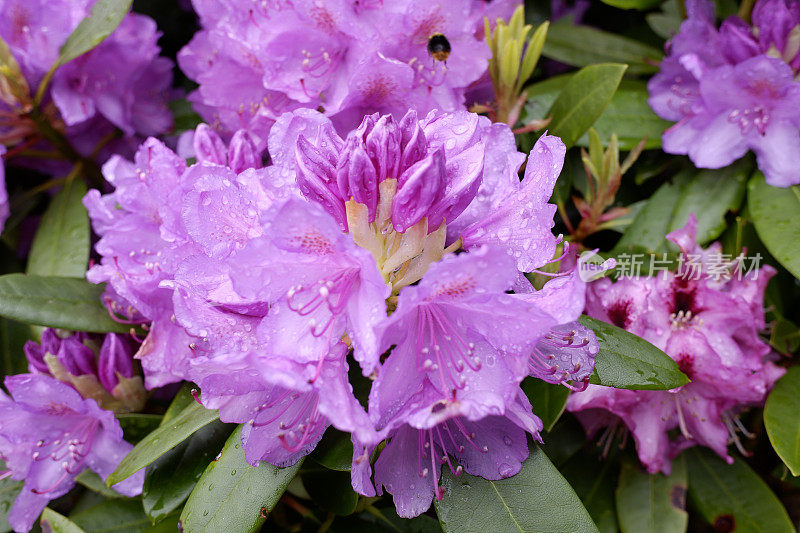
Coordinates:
<point>121,83</point>
<point>350,244</point>
<point>733,89</point>
<point>256,61</point>
<point>160,214</point>
<point>709,326</point>
<point>98,367</point>
<point>49,435</point>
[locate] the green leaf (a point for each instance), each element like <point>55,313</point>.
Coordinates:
<point>581,46</point>
<point>9,489</point>
<point>548,400</point>
<point>593,480</point>
<point>106,15</point>
<point>52,522</point>
<point>13,336</point>
<point>136,426</point>
<point>162,440</point>
<point>583,100</point>
<point>668,22</point>
<point>564,440</point>
<point>733,497</point>
<point>652,223</point>
<point>184,116</point>
<point>641,5</point>
<point>781,420</point>
<point>629,116</point>
<point>233,496</point>
<point>710,195</point>
<point>652,503</point>
<point>538,498</point>
<point>776,214</point>
<point>335,450</point>
<point>331,490</point>
<point>61,244</point>
<point>119,516</point>
<point>67,303</point>
<point>89,479</point>
<point>626,361</point>
<point>170,479</point>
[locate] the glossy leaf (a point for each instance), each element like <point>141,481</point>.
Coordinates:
<point>170,479</point>
<point>335,450</point>
<point>13,336</point>
<point>162,440</point>
<point>233,496</point>
<point>776,214</point>
<point>331,490</point>
<point>120,516</point>
<point>52,522</point>
<point>67,303</point>
<point>626,361</point>
<point>106,15</point>
<point>652,503</point>
<point>733,497</point>
<point>782,421</point>
<point>593,480</point>
<point>136,426</point>
<point>548,400</point>
<point>61,244</point>
<point>583,99</point>
<point>524,502</point>
<point>582,45</point>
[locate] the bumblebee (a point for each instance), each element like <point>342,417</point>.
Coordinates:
<point>439,47</point>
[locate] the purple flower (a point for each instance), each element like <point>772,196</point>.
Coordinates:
<point>48,435</point>
<point>732,90</point>
<point>254,63</point>
<point>285,407</point>
<point>162,214</point>
<point>709,325</point>
<point>121,83</point>
<point>98,367</point>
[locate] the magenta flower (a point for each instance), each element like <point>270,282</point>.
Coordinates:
<point>710,327</point>
<point>49,435</point>
<point>733,89</point>
<point>121,83</point>
<point>254,63</point>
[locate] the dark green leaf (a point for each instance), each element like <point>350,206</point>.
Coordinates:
<point>782,421</point>
<point>593,480</point>
<point>13,336</point>
<point>652,502</point>
<point>581,46</point>
<point>629,116</point>
<point>170,479</point>
<point>538,498</point>
<point>733,497</point>
<point>162,440</point>
<point>89,479</point>
<point>548,400</point>
<point>335,450</point>
<point>776,213</point>
<point>641,5</point>
<point>668,22</point>
<point>385,521</point>
<point>52,522</point>
<point>118,516</point>
<point>61,244</point>
<point>626,361</point>
<point>331,490</point>
<point>564,440</point>
<point>710,195</point>
<point>233,496</point>
<point>583,100</point>
<point>106,15</point>
<point>67,303</point>
<point>136,426</point>
<point>184,116</point>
